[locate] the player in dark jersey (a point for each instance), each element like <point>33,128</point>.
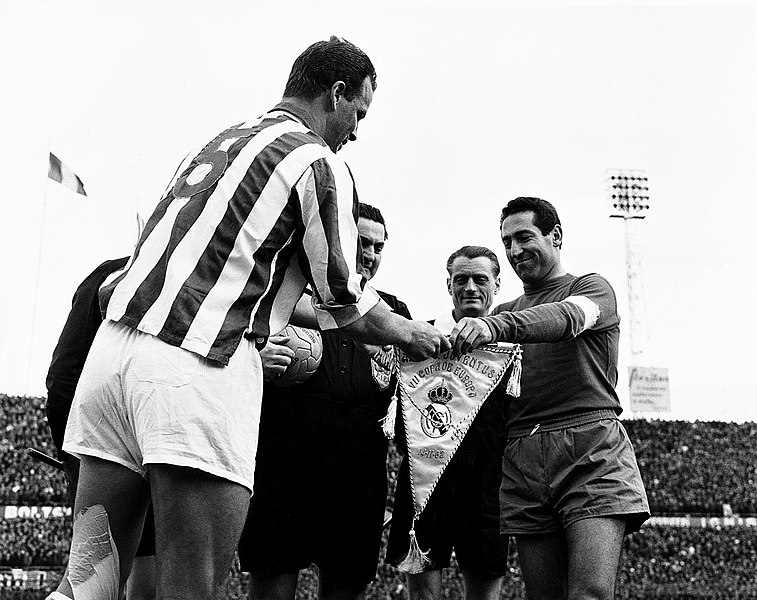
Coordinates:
<point>571,487</point>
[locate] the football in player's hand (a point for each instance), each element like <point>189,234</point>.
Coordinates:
<point>308,350</point>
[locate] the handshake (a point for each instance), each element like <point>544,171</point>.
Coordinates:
<point>418,339</point>
<point>468,334</point>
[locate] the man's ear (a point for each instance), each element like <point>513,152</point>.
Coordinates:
<point>336,94</point>
<point>449,285</point>
<point>557,236</point>
<point>496,285</point>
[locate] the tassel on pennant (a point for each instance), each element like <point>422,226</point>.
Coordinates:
<point>415,560</point>
<point>388,422</point>
<point>513,384</point>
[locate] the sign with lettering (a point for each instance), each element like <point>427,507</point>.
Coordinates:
<point>649,389</point>
<point>39,512</point>
<point>707,522</point>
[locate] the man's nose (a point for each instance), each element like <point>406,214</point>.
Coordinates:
<point>470,285</point>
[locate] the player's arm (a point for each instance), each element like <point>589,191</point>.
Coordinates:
<point>304,314</point>
<point>341,300</point>
<point>379,327</point>
<point>591,306</point>
<point>398,307</point>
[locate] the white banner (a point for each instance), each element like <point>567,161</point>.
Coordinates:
<point>649,389</point>
<point>440,398</point>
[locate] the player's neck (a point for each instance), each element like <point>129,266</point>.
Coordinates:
<point>551,278</point>
<point>308,112</point>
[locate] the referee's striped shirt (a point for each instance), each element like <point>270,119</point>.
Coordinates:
<point>265,208</point>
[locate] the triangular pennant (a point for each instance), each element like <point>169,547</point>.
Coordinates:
<point>440,398</point>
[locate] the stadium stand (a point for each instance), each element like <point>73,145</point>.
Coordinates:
<point>691,471</point>
<point>697,467</point>
<point>34,541</point>
<point>22,480</point>
<point>678,562</point>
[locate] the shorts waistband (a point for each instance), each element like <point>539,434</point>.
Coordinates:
<point>563,423</point>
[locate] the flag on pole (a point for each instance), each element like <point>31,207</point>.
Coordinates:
<point>63,174</point>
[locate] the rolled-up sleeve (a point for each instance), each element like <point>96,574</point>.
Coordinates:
<point>329,258</point>
<point>591,305</point>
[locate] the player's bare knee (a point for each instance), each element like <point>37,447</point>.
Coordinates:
<point>93,567</point>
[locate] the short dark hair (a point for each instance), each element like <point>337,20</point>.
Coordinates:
<point>545,215</point>
<point>326,62</point>
<point>472,252</point>
<point>366,211</point>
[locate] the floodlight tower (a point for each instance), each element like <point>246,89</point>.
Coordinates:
<point>648,387</point>
<point>628,193</point>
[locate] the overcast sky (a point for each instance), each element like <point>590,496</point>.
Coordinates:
<point>476,103</point>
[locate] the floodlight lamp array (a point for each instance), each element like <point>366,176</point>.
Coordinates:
<point>628,193</point>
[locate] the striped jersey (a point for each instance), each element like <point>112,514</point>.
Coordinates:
<point>262,210</point>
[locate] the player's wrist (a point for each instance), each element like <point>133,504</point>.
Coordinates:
<point>493,331</point>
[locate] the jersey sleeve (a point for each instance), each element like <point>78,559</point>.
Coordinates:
<point>403,310</point>
<point>590,305</point>
<point>395,304</point>
<point>330,244</point>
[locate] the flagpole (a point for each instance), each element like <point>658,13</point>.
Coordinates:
<point>36,284</point>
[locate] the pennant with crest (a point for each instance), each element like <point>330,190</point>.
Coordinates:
<point>440,398</point>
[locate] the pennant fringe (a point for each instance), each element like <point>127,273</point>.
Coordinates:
<point>390,419</point>
<point>513,384</point>
<point>416,560</point>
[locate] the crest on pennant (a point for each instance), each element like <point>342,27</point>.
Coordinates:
<point>440,398</point>
<point>436,421</point>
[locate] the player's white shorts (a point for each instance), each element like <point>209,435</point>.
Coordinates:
<point>140,401</point>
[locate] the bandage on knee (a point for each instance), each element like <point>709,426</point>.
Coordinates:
<point>93,568</point>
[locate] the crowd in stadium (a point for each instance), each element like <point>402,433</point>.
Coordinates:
<point>689,468</point>
<point>22,479</point>
<point>690,560</point>
<point>658,562</point>
<point>32,541</point>
<point>696,467</point>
